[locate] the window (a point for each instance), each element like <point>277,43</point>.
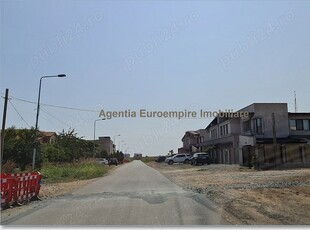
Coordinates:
<point>214,133</point>
<point>306,124</point>
<point>201,139</point>
<point>224,130</point>
<point>299,125</point>
<point>258,126</point>
<point>293,124</point>
<point>246,126</point>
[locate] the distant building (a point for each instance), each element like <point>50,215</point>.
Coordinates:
<point>127,156</point>
<point>105,143</point>
<point>191,140</point>
<point>47,137</point>
<point>137,155</point>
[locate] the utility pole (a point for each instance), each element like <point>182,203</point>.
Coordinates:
<point>274,135</point>
<point>3,123</point>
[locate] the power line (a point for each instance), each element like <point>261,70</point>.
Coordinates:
<point>53,116</point>
<point>19,113</point>
<point>55,106</point>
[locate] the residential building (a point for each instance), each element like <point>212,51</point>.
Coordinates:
<point>127,156</point>
<point>268,137</point>
<point>299,125</point>
<point>191,141</point>
<point>275,143</point>
<point>47,137</point>
<point>222,140</point>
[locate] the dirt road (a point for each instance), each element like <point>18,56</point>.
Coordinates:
<point>247,196</point>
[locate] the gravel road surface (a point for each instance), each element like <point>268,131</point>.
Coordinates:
<point>245,196</point>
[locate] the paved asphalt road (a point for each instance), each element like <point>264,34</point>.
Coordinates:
<point>133,194</point>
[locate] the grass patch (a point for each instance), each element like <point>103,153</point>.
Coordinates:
<point>148,159</point>
<point>74,171</point>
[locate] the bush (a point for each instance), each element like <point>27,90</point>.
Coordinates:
<point>73,171</point>
<point>18,146</point>
<point>50,153</point>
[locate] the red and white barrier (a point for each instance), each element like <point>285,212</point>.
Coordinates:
<point>19,187</point>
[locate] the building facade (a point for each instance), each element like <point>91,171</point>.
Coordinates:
<point>191,141</point>
<point>268,137</point>
<point>106,144</point>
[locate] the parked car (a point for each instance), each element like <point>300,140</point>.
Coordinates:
<point>104,161</point>
<point>178,158</point>
<point>160,159</point>
<point>200,159</point>
<point>113,161</point>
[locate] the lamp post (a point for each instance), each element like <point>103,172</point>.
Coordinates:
<point>95,134</point>
<point>119,144</point>
<point>114,140</point>
<point>37,119</point>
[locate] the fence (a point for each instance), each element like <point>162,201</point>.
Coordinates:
<point>19,187</point>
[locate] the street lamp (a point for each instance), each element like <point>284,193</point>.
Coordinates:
<point>37,119</point>
<point>114,140</point>
<point>95,134</point>
<point>119,145</point>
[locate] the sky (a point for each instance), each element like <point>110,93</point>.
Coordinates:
<point>153,55</point>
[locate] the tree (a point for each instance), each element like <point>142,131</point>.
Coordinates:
<point>53,153</point>
<point>18,146</point>
<point>74,147</point>
<point>102,154</point>
<point>68,147</point>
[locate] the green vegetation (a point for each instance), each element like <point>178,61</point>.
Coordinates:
<point>19,143</point>
<point>66,172</point>
<point>18,146</point>
<point>148,159</point>
<point>67,148</point>
<point>68,158</point>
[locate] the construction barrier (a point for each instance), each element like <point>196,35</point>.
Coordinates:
<point>19,187</point>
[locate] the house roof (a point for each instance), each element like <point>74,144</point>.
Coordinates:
<point>190,132</point>
<point>212,123</point>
